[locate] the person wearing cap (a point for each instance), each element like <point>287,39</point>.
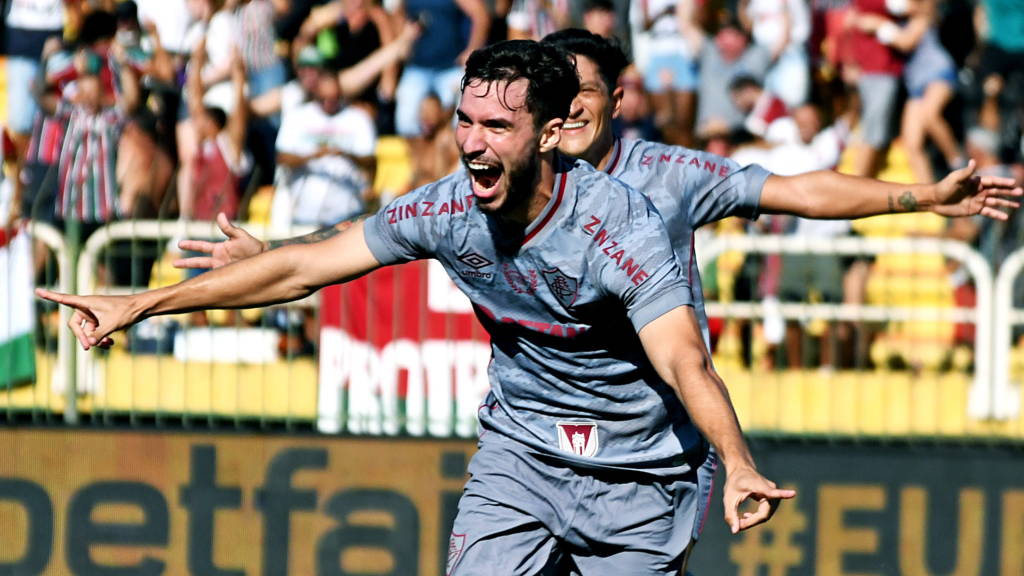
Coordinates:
<point>296,92</point>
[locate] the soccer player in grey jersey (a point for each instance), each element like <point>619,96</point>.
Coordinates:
<point>600,379</point>
<point>692,188</point>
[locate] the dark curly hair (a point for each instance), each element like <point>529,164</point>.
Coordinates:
<point>609,56</point>
<point>550,71</point>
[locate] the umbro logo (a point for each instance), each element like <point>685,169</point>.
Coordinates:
<point>475,260</point>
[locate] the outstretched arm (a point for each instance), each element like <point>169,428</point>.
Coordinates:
<point>674,345</point>
<point>240,244</point>
<point>829,194</point>
<point>283,275</point>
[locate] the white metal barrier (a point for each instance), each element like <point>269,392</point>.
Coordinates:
<point>54,240</point>
<point>85,362</point>
<point>985,399</point>
<point>1005,392</point>
<point>992,395</point>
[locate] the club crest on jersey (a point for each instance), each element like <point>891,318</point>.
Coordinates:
<point>564,288</point>
<point>456,543</point>
<point>520,282</point>
<point>579,438</point>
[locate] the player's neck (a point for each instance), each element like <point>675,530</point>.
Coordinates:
<point>602,153</point>
<point>543,190</point>
<point>539,196</point>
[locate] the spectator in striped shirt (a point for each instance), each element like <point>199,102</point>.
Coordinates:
<point>87,185</point>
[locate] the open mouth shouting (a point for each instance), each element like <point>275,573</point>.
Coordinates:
<point>486,177</point>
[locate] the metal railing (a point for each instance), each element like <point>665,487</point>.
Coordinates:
<point>984,399</point>
<point>1005,391</point>
<point>54,240</point>
<point>75,369</point>
<point>991,394</point>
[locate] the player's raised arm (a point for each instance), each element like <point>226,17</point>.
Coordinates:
<point>829,194</point>
<point>674,346</point>
<point>239,244</point>
<point>289,273</point>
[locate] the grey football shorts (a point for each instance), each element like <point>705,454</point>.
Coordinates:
<point>527,514</point>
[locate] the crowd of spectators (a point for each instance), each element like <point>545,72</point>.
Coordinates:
<point>182,108</point>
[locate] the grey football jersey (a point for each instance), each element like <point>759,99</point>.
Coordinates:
<point>689,188</point>
<point>563,301</point>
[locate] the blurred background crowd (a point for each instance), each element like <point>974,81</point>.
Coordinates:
<point>312,111</point>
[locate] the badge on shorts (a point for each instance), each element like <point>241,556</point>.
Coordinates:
<point>455,545</point>
<point>580,438</point>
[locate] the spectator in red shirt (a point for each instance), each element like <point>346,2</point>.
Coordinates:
<point>220,161</point>
<point>877,68</point>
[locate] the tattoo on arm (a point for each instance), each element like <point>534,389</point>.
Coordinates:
<point>892,203</point>
<point>908,202</point>
<point>311,238</point>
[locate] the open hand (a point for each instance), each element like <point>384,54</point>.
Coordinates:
<point>95,317</point>
<point>962,193</point>
<point>239,245</point>
<point>746,484</point>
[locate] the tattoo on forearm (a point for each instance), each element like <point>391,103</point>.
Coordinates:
<point>311,238</point>
<point>892,203</point>
<point>908,202</point>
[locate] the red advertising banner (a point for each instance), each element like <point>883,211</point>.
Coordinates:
<point>401,352</point>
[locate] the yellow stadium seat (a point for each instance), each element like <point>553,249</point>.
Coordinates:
<point>259,205</point>
<point>907,280</point>
<point>394,169</point>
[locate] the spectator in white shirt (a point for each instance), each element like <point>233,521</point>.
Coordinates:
<point>325,151</point>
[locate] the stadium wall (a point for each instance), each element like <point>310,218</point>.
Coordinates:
<point>88,502</point>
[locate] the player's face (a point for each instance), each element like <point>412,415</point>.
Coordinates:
<point>499,143</point>
<point>587,133</point>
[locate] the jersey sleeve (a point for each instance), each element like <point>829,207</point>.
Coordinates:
<point>406,229</point>
<point>635,262</point>
<point>730,190</point>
